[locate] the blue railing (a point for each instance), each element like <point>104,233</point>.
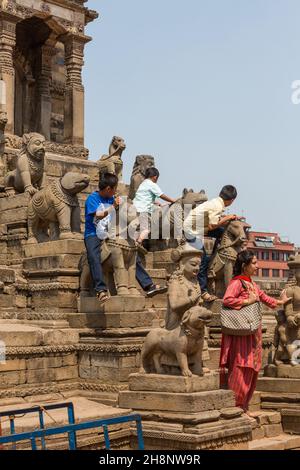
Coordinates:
<point>13,414</point>
<point>71,429</point>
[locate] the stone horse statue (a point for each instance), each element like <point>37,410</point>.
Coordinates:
<point>221,266</point>
<point>118,257</point>
<point>113,162</point>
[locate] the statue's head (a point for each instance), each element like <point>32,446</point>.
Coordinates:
<point>196,317</point>
<point>117,143</point>
<point>34,145</point>
<point>236,230</point>
<point>142,163</point>
<point>73,183</point>
<point>294,264</point>
<point>193,198</point>
<point>189,259</point>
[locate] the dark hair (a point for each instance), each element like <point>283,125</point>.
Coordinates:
<point>150,172</point>
<point>108,179</point>
<point>244,259</point>
<point>228,193</point>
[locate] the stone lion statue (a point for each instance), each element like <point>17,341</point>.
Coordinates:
<point>142,162</point>
<point>185,343</point>
<point>113,162</point>
<point>57,207</point>
<point>29,175</point>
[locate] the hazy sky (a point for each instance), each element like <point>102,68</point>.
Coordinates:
<point>205,87</point>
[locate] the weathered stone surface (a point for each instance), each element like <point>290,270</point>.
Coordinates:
<point>65,336</point>
<point>51,375</point>
<point>56,247</point>
<point>52,262</point>
<point>268,384</point>
<point>19,200</point>
<point>7,275</point>
<point>184,418</point>
<point>50,362</point>
<point>13,365</point>
<point>258,433</point>
<point>134,319</point>
<point>291,420</point>
<point>230,413</point>
<point>272,430</point>
<point>266,417</point>
<point>189,402</point>
<point>14,216</point>
<point>114,304</point>
<point>171,383</point>
<point>171,427</point>
<point>8,379</point>
<point>20,335</point>
<point>288,371</point>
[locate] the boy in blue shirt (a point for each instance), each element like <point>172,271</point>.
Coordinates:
<point>101,205</point>
<point>105,199</point>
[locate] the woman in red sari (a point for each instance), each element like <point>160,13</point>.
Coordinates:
<point>242,355</point>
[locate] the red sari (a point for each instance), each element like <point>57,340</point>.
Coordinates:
<point>242,355</point>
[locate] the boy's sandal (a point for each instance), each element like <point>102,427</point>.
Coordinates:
<point>156,289</point>
<point>208,297</point>
<point>102,296</point>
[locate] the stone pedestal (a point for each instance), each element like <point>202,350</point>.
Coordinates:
<point>52,272</point>
<point>112,335</point>
<point>37,361</point>
<point>182,413</point>
<point>280,387</point>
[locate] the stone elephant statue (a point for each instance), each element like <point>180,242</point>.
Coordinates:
<point>118,258</point>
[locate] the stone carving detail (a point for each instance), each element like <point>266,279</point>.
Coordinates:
<point>15,142</point>
<point>58,205</point>
<point>118,255</point>
<point>287,333</point>
<point>183,337</point>
<point>142,162</point>
<point>184,342</point>
<point>9,6</point>
<point>112,162</point>
<point>29,175</point>
<point>183,288</point>
<point>220,270</point>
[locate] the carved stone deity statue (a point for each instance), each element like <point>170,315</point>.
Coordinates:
<point>57,207</point>
<point>287,334</point>
<point>113,162</point>
<point>141,164</point>
<point>29,175</point>
<point>183,289</point>
<point>183,337</point>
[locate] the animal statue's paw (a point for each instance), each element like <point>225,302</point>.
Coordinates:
<point>142,371</point>
<point>134,291</point>
<point>31,190</point>
<point>66,235</point>
<point>76,236</point>
<point>122,291</point>
<point>31,241</point>
<point>187,373</point>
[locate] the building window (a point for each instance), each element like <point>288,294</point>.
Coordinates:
<point>265,273</point>
<point>276,273</point>
<point>286,256</point>
<point>265,255</point>
<point>276,256</point>
<point>286,273</point>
